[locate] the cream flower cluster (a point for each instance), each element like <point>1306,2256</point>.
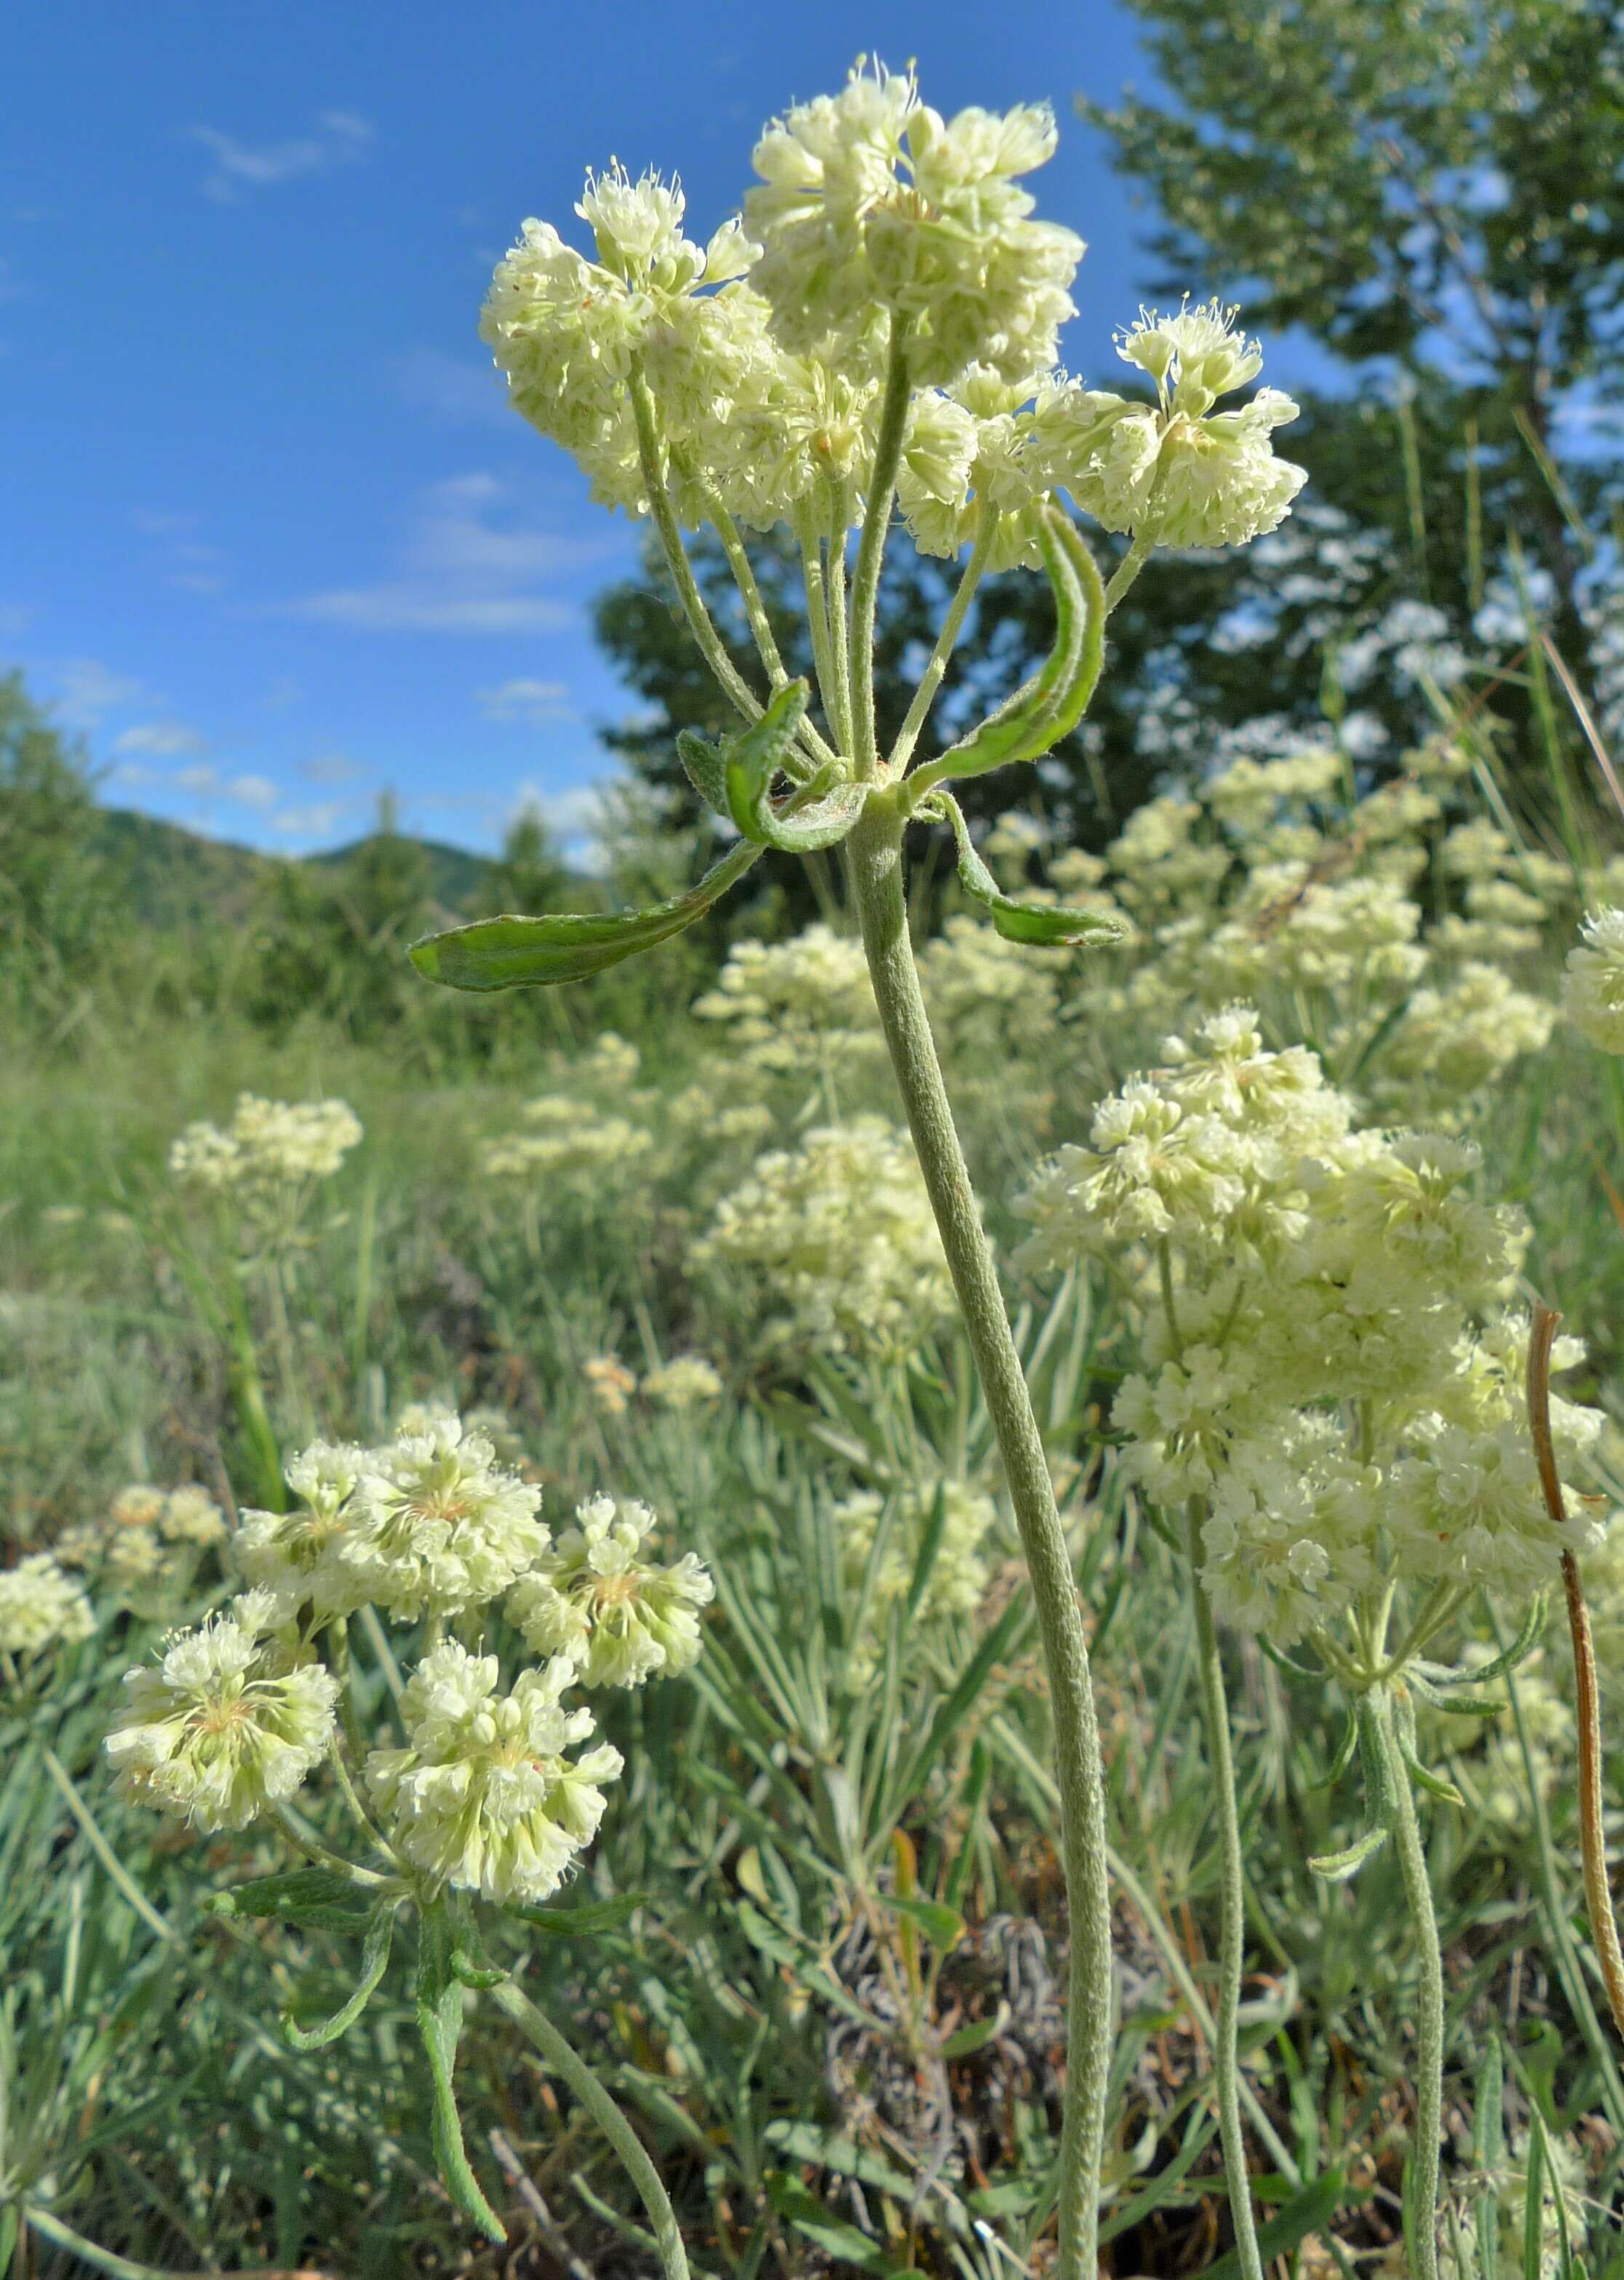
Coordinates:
<point>484,1795</point>
<point>1593,983</point>
<point>1329,1360</point>
<point>267,1144</point>
<point>595,1597</point>
<point>873,222</point>
<point>792,1005</point>
<point>957,1584</point>
<point>229,1722</point>
<point>41,1606</point>
<point>837,1236</point>
<point>568,1143</point>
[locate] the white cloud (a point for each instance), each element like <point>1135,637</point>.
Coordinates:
<point>466,568</point>
<point>191,562</point>
<point>328,768</point>
<point>199,781</point>
<point>530,702</point>
<point>164,740</point>
<point>253,792</point>
<point>131,776</point>
<point>337,139</point>
<point>314,822</point>
<point>87,689</point>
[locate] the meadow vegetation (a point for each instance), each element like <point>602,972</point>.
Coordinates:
<point>602,1782</point>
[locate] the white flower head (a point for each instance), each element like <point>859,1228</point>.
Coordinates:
<point>1593,983</point>
<point>621,1618</point>
<point>41,1606</point>
<point>685,1381</point>
<point>228,1722</point>
<point>439,1525</point>
<point>483,1795</point>
<point>301,1556</point>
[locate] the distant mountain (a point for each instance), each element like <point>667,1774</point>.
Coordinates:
<point>176,877</point>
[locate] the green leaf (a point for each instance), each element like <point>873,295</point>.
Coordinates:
<point>837,2238</point>
<point>1487,2152</point>
<point>705,766</point>
<point>511,954</point>
<point>303,1896</point>
<point>816,815</point>
<point>375,1963</point>
<point>1470,1705</point>
<point>942,1927</point>
<point>1344,1758</point>
<point>1048,925</point>
<point>1311,2210</point>
<point>1052,703</point>
<point>1337,1867</point>
<point>976,2036</point>
<point>582,1922</point>
<point>439,2017</point>
<point>1433,1784</point>
<point>1521,1648</point>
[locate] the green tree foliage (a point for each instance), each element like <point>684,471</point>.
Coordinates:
<point>54,883</point>
<point>332,939</point>
<point>1427,185</point>
<point>530,875</point>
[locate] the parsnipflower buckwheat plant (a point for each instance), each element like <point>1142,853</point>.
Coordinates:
<point>460,1777</point>
<point>877,332</point>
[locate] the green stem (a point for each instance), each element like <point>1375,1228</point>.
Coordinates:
<point>586,2086</point>
<point>701,624</point>
<point>755,612</point>
<point>1422,2184</point>
<point>925,695</point>
<point>871,550</point>
<point>1132,563</point>
<point>831,685</point>
<point>1232,1915</point>
<point>874,853</point>
<point>840,522</point>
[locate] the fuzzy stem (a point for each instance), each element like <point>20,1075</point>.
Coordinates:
<point>874,853</point>
<point>701,624</point>
<point>586,2086</point>
<point>840,513</point>
<point>760,624</point>
<point>1132,563</point>
<point>1422,2186</point>
<point>1232,1915</point>
<point>925,695</point>
<point>870,549</point>
<point>831,685</point>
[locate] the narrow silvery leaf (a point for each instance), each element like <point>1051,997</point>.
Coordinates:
<point>301,1896</point>
<point>374,1963</point>
<point>511,954</point>
<point>439,2015</point>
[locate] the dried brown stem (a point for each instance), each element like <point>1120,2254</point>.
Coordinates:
<point>1592,1835</point>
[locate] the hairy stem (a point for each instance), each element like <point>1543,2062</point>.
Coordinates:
<point>871,550</point>
<point>925,695</point>
<point>1232,1915</point>
<point>586,2086</point>
<point>831,684</point>
<point>874,853</point>
<point>1421,2185</point>
<point>840,524</point>
<point>760,624</point>
<point>701,624</point>
<point>1132,563</point>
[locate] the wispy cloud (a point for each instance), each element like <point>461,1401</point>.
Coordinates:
<point>189,561</point>
<point>317,821</point>
<point>328,768</point>
<point>338,138</point>
<point>200,782</point>
<point>530,702</point>
<point>164,740</point>
<point>466,568</point>
<point>253,792</point>
<point>86,689</point>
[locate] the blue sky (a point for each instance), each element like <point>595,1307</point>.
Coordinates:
<point>273,543</point>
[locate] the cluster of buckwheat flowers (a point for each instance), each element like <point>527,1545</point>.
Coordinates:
<point>482,1778</point>
<point>268,1144</point>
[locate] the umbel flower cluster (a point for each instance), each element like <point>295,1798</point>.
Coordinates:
<point>1333,1365</point>
<point>42,1606</point>
<point>268,1144</point>
<point>876,231</point>
<point>429,1529</point>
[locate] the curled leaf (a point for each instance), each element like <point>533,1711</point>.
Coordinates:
<point>1049,926</point>
<point>815,815</point>
<point>511,954</point>
<point>375,1963</point>
<point>1337,1867</point>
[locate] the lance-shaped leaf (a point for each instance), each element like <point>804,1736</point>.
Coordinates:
<point>705,766</point>
<point>301,1896</point>
<point>1051,705</point>
<point>511,954</point>
<point>1050,926</point>
<point>1337,1867</point>
<point>375,1963</point>
<point>814,815</point>
<point>439,2017</point>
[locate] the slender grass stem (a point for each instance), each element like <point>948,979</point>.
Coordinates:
<point>871,551</point>
<point>1421,2183</point>
<point>952,625</point>
<point>874,853</point>
<point>1232,1914</point>
<point>585,2085</point>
